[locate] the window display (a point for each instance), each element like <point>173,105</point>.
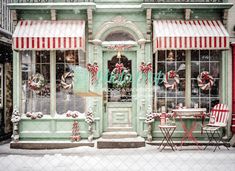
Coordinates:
<point>170,80</point>
<point>35,69</point>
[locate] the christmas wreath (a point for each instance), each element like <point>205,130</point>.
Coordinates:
<point>36,82</point>
<point>173,75</point>
<point>64,81</point>
<point>205,80</point>
<point>120,76</point>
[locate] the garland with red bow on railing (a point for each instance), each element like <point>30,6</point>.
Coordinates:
<point>173,75</point>
<point>145,69</point>
<point>205,80</point>
<point>93,69</point>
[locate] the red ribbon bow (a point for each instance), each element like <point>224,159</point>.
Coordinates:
<point>119,67</point>
<point>172,74</point>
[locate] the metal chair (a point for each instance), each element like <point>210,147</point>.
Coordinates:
<point>218,119</point>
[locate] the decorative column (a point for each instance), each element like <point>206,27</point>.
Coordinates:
<point>233,89</point>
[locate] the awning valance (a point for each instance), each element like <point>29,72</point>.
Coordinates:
<point>193,34</point>
<point>49,35</point>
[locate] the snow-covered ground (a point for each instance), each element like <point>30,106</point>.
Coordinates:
<point>146,158</point>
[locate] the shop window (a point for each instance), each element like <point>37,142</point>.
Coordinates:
<point>35,68</point>
<point>66,62</point>
<point>169,61</point>
<point>208,61</point>
<point>202,61</point>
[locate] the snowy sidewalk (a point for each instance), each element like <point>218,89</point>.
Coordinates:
<point>146,158</point>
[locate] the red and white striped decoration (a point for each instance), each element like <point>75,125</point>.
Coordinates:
<point>219,115</point>
<point>49,35</point>
<point>192,34</point>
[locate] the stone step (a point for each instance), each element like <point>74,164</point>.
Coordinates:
<point>121,143</point>
<point>113,129</point>
<point>50,144</point>
<point>119,134</point>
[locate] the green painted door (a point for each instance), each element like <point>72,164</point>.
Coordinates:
<point>119,87</point>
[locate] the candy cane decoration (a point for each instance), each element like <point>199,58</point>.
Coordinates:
<point>171,74</point>
<point>145,69</point>
<point>205,80</point>
<point>93,69</point>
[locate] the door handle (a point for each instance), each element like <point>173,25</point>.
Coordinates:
<point>105,100</point>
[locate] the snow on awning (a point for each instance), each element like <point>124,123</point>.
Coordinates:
<point>49,35</point>
<point>192,34</point>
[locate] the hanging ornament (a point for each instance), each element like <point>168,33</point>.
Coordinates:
<point>68,86</point>
<point>75,132</point>
<point>93,69</point>
<point>36,82</point>
<point>205,80</point>
<point>171,74</point>
<point>145,69</point>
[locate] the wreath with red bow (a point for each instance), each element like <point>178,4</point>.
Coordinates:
<point>36,82</point>
<point>171,75</point>
<point>145,69</point>
<point>93,69</point>
<point>120,76</point>
<point>205,80</point>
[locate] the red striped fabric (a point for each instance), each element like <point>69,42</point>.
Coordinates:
<point>192,34</point>
<point>49,35</point>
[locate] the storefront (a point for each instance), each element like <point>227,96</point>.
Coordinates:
<point>115,68</point>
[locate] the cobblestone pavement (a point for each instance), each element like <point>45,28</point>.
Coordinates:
<point>146,158</point>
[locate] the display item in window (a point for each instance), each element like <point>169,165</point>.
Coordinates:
<point>65,83</point>
<point>171,75</point>
<point>36,83</point>
<point>205,80</point>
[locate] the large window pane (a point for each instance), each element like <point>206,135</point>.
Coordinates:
<point>165,62</point>
<point>66,100</point>
<point>208,61</point>
<point>35,68</point>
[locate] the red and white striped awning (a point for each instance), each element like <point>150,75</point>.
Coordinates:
<point>49,35</point>
<point>193,34</point>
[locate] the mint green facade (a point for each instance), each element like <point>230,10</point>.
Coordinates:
<point>102,18</point>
